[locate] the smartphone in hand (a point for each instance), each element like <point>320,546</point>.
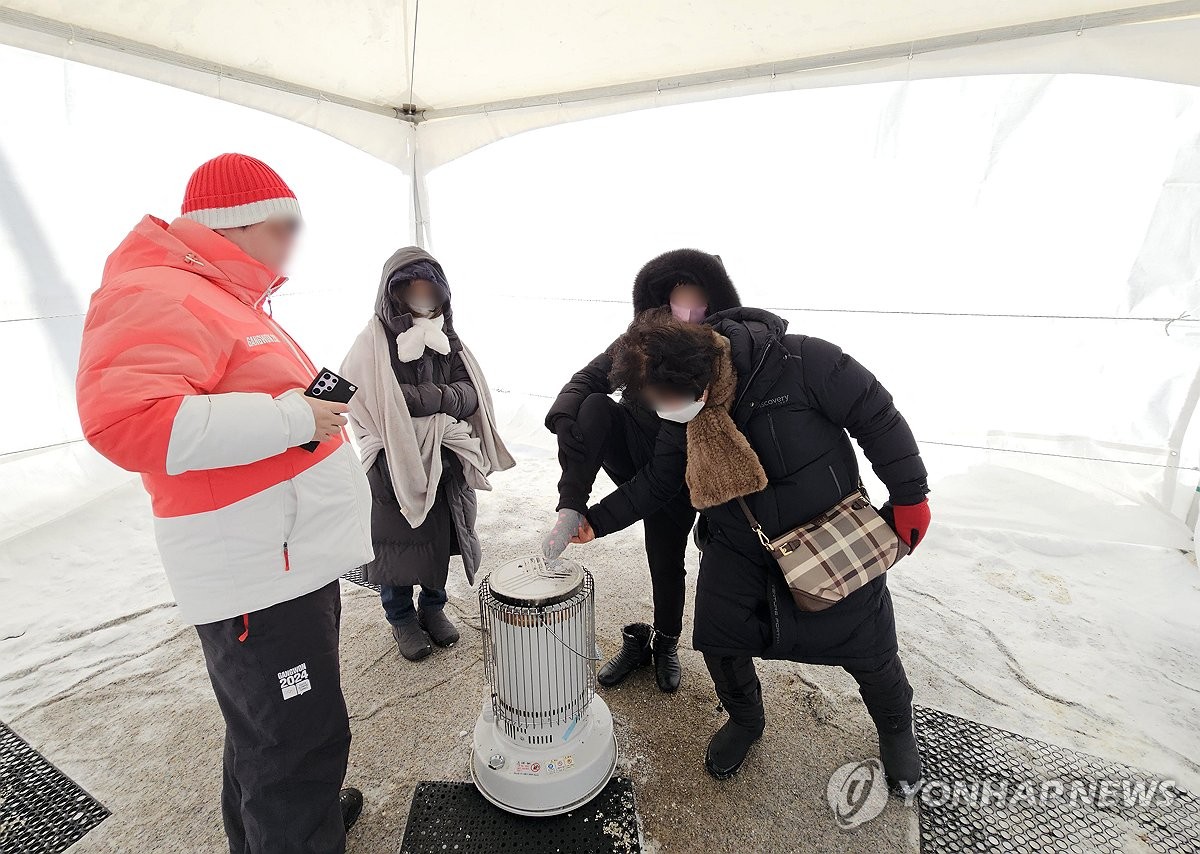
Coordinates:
<point>327,385</point>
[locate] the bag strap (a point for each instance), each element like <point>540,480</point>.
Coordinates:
<point>757,527</point>
<point>754,524</point>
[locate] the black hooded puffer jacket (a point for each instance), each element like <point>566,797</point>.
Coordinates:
<point>651,289</point>
<point>799,401</point>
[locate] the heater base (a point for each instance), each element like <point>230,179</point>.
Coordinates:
<point>548,779</point>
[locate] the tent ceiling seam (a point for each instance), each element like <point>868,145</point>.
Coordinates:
<point>1167,321</point>
<point>898,50</point>
<point>73,34</point>
<point>415,115</point>
<point>409,107</point>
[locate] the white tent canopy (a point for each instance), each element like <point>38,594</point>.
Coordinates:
<point>419,85</point>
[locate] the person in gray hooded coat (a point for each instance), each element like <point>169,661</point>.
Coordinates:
<point>426,356</point>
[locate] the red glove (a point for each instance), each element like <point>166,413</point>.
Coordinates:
<point>912,521</point>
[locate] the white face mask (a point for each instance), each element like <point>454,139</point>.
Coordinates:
<point>422,309</point>
<point>683,414</point>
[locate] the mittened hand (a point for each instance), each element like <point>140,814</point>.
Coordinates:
<point>911,522</point>
<point>566,526</point>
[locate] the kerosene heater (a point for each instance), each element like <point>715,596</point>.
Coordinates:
<point>544,741</point>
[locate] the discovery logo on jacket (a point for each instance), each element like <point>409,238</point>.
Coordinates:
<point>185,378</point>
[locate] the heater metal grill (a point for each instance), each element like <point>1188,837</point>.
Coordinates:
<point>539,659</point>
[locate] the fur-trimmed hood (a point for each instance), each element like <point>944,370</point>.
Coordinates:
<point>653,283</point>
<point>391,311</point>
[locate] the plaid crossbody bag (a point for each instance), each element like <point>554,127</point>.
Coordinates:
<point>829,557</point>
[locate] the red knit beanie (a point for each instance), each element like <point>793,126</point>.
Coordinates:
<point>233,190</point>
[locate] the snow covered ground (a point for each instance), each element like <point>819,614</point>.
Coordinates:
<point>1086,644</point>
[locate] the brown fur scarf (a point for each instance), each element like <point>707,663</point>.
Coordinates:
<point>721,465</point>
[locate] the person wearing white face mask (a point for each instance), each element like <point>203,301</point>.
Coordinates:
<point>757,424</point>
<point>595,432</point>
<point>684,413</point>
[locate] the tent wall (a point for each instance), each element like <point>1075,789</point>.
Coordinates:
<point>1008,253</point>
<point>84,154</point>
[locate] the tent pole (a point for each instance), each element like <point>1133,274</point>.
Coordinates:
<point>418,208</point>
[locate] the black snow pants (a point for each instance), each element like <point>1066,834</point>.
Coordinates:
<point>277,678</point>
<point>885,692</point>
<point>621,446</point>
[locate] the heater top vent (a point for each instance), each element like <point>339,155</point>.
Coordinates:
<point>532,582</point>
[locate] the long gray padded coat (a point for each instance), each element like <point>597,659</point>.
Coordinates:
<point>432,383</point>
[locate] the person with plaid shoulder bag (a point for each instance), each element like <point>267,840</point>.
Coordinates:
<point>757,424</point>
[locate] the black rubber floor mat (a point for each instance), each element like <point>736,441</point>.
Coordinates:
<point>454,817</point>
<point>986,789</point>
<point>42,811</point>
<point>359,577</point>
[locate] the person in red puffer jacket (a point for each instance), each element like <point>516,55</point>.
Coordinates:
<point>185,378</point>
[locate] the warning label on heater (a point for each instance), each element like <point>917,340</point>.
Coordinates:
<point>562,764</point>
<point>528,768</point>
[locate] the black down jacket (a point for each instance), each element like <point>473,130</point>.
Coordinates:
<point>651,289</point>
<point>799,400</point>
<point>431,383</point>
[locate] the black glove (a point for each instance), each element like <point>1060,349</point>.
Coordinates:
<point>451,400</point>
<point>423,399</point>
<point>570,439</point>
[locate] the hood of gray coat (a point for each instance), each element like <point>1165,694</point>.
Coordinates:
<point>388,305</point>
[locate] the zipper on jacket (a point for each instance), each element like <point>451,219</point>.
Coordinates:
<point>754,373</point>
<point>300,357</point>
<point>272,288</point>
<point>287,561</point>
<point>837,484</point>
<point>775,441</point>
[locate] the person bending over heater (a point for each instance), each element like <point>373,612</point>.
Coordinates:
<point>595,432</point>
<point>767,416</point>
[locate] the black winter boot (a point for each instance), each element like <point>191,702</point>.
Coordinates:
<point>900,757</point>
<point>740,693</point>
<point>635,651</point>
<point>438,626</point>
<point>351,802</point>
<point>888,698</point>
<point>666,662</point>
<point>411,639</point>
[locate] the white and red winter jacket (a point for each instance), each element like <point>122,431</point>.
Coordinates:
<point>185,378</point>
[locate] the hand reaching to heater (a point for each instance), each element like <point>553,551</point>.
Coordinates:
<point>569,527</point>
<point>585,534</point>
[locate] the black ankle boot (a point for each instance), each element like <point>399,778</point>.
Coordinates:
<point>666,662</point>
<point>900,757</point>
<point>728,748</point>
<point>351,802</point>
<point>635,651</point>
